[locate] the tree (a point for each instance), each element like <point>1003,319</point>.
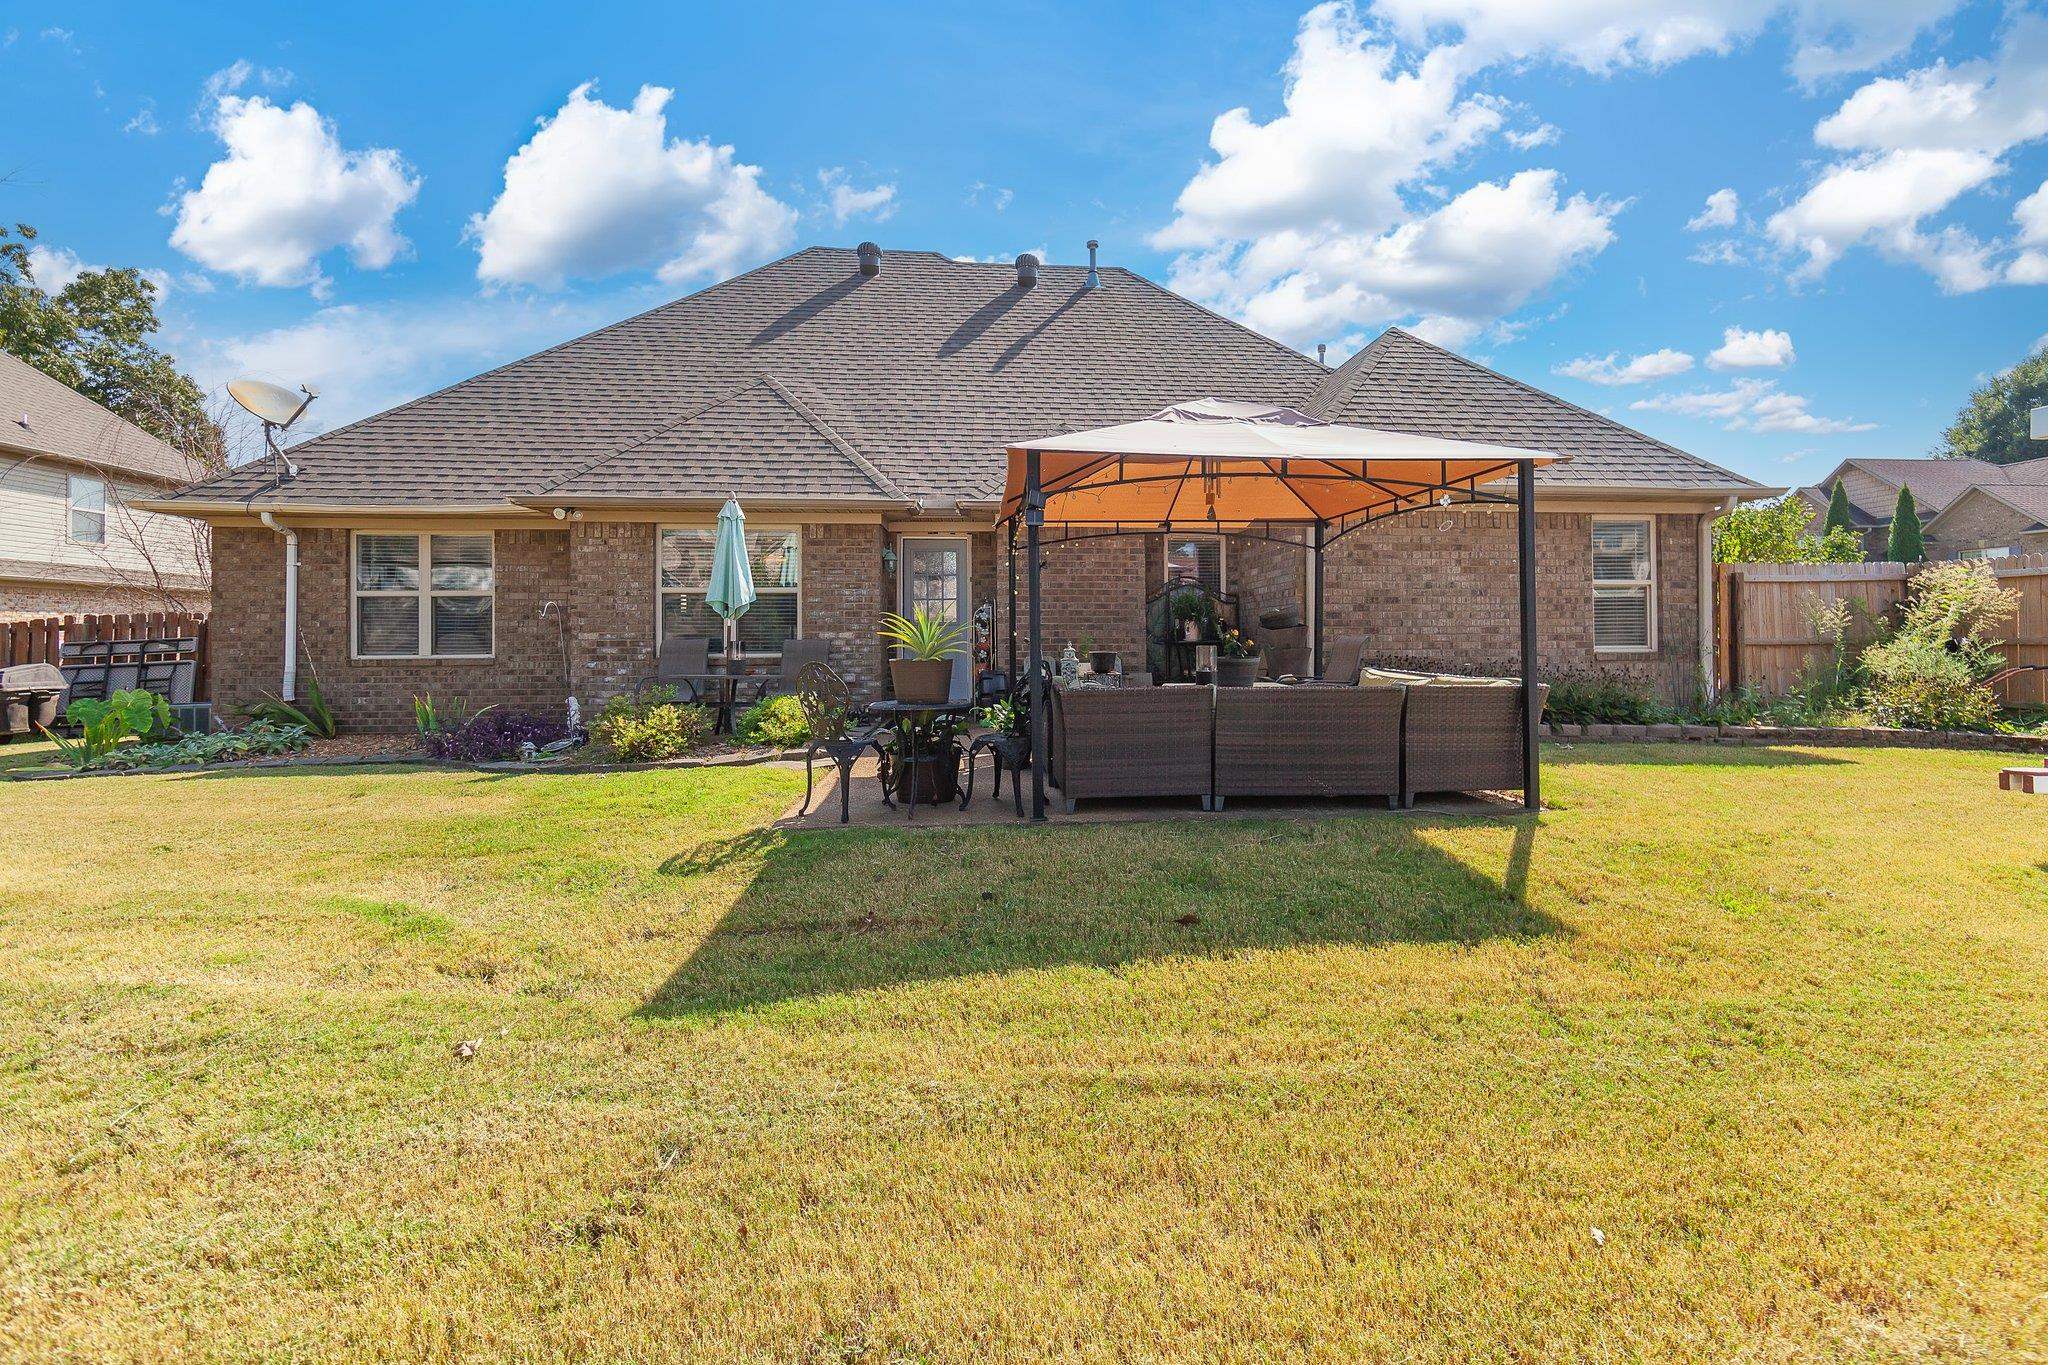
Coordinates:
<point>1993,424</point>
<point>93,335</point>
<point>1907,545</point>
<point>1775,533</point>
<point>1838,510</point>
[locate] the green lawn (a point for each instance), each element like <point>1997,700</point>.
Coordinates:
<point>1775,1022</point>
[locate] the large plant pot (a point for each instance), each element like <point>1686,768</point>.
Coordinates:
<point>1237,672</point>
<point>921,679</point>
<point>935,777</point>
<point>1103,662</point>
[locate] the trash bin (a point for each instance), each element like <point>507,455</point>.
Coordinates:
<point>29,697</point>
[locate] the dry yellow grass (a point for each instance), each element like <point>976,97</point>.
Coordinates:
<point>1774,1022</point>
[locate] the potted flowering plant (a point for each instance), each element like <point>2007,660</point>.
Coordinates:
<point>1237,658</point>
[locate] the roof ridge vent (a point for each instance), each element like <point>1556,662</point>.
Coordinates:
<point>870,259</point>
<point>1027,270</point>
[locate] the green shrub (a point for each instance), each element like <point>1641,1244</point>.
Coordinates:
<point>650,727</point>
<point>310,713</point>
<point>1924,684</point>
<point>102,725</point>
<point>1602,699</point>
<point>259,739</point>
<point>775,721</point>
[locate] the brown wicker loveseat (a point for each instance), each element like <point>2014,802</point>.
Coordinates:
<point>1308,741</point>
<point>1130,741</point>
<point>1458,734</point>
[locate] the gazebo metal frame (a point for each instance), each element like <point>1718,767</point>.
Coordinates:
<point>1403,494</point>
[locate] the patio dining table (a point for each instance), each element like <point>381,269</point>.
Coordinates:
<point>721,688</point>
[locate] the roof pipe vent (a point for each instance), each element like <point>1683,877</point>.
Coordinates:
<point>1322,350</point>
<point>870,259</point>
<point>1094,280</point>
<point>1027,270</point>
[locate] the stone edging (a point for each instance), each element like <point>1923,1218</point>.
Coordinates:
<point>1829,735</point>
<point>414,760</point>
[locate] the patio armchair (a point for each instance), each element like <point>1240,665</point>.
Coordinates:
<point>1462,734</point>
<point>1122,741</point>
<point>823,697</point>
<point>797,655</point>
<point>1341,659</point>
<point>680,656</point>
<point>1308,741</point>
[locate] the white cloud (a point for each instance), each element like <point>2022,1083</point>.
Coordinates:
<point>1642,369</point>
<point>2030,215</point>
<point>1719,212</point>
<point>847,202</point>
<point>367,359</point>
<point>1989,105</point>
<point>600,190</point>
<point>143,123</point>
<point>1882,199</point>
<point>1528,140</point>
<point>1744,350</point>
<point>999,196</point>
<point>1302,225</point>
<point>1829,36</point>
<point>54,268</point>
<point>238,73</point>
<point>286,193</point>
<point>1750,405</point>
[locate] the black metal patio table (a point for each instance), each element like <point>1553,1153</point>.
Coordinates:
<point>722,689</point>
<point>906,717</point>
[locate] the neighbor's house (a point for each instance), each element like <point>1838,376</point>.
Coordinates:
<point>72,540</point>
<point>858,405</point>
<point>1968,508</point>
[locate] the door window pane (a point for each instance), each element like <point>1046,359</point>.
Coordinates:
<point>935,582</point>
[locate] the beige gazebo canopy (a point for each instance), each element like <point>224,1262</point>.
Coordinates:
<point>1217,463</point>
<point>1244,467</point>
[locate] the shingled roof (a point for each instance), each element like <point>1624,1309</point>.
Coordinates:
<point>1402,383</point>
<point>805,378</point>
<point>39,416</point>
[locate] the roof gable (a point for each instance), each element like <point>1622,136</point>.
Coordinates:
<point>1402,383</point>
<point>62,422</point>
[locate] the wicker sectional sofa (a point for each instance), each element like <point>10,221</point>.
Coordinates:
<point>1395,735</point>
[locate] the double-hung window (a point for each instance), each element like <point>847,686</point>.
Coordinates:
<point>1196,559</point>
<point>87,499</point>
<point>423,596</point>
<point>1624,584</point>
<point>683,570</point>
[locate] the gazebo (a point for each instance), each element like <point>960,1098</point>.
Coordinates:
<point>1249,470</point>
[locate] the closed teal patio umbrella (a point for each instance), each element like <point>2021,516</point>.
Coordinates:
<point>732,579</point>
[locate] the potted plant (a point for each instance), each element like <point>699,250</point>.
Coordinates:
<point>935,776</point>
<point>924,672</point>
<point>1193,612</point>
<point>1237,659</point>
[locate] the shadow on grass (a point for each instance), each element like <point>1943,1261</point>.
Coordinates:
<point>824,913</point>
<point>1680,753</point>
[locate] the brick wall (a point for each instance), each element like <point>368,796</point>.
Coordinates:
<point>1095,592</point>
<point>375,695</point>
<point>845,592</point>
<point>611,598</point>
<point>23,601</point>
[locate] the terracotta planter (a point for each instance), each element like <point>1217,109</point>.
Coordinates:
<point>921,679</point>
<point>1237,672</point>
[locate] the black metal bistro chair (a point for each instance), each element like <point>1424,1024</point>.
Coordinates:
<point>828,714</point>
<point>1005,751</point>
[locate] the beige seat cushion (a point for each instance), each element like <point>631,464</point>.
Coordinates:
<point>1368,676</point>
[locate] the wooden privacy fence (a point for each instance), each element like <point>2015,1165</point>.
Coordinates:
<point>42,640</point>
<point>1765,637</point>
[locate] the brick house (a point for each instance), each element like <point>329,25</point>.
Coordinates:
<point>1968,508</point>
<point>858,404</point>
<point>73,539</point>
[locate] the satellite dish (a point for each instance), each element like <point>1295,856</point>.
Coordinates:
<point>277,407</point>
<point>272,403</point>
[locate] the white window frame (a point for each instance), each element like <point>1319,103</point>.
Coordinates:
<point>1648,583</point>
<point>803,559</point>
<point>425,593</point>
<point>1222,555</point>
<point>72,509</point>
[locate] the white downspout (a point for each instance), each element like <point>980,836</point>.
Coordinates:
<point>290,690</point>
<point>1708,582</point>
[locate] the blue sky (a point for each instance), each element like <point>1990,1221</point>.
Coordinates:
<point>1774,234</point>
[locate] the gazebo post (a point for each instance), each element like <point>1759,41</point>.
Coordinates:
<point>1525,566</point>
<point>1316,560</point>
<point>1034,517</point>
